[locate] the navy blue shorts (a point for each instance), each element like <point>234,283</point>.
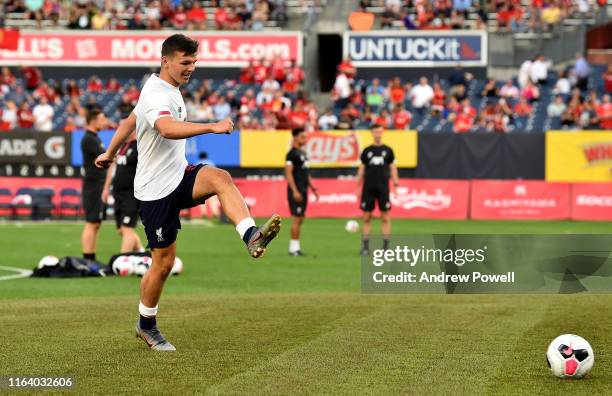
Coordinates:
<point>161,217</point>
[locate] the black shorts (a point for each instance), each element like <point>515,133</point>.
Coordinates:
<point>161,216</point>
<point>92,200</point>
<point>126,208</point>
<point>297,209</point>
<point>370,194</point>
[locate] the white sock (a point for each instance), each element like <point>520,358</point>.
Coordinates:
<point>147,312</point>
<point>294,245</point>
<point>244,225</point>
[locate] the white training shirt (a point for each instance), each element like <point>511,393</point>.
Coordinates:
<point>161,161</point>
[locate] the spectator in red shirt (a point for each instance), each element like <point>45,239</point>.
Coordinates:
<point>233,21</point>
<point>113,85</point>
<point>261,72</point>
<point>70,126</point>
<point>247,73</point>
<point>401,117</point>
<point>397,93</point>
<point>179,19</point>
<point>248,99</point>
<point>25,118</point>
<point>463,122</point>
<point>298,116</point>
<point>531,93</point>
<point>383,119</point>
<point>604,111</point>
<point>522,108</point>
<point>72,89</point>
<point>296,71</point>
<point>607,77</point>
<point>131,95</point>
<point>347,68</point>
<point>503,18</point>
<point>278,69</point>
<point>290,85</point>
<point>45,91</point>
<point>437,103</point>
<point>32,77</point>
<point>196,17</point>
<point>94,84</point>
<point>7,78</point>
<point>221,16</point>
<point>466,107</point>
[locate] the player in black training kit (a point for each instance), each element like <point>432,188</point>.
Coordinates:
<point>298,181</point>
<point>122,174</point>
<point>377,167</point>
<point>93,181</point>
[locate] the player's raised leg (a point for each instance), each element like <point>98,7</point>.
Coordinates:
<point>214,181</point>
<point>151,287</point>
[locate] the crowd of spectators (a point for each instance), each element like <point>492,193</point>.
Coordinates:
<point>152,14</point>
<point>395,103</point>
<point>268,95</point>
<point>273,98</point>
<point>511,15</point>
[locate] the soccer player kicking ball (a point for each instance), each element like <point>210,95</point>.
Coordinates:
<point>298,181</point>
<point>377,167</point>
<point>165,184</point>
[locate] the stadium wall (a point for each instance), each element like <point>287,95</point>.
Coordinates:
<point>557,156</point>
<point>412,199</point>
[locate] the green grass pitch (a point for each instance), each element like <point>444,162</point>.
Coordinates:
<point>285,325</point>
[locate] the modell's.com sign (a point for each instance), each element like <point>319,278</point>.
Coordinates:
<point>36,148</point>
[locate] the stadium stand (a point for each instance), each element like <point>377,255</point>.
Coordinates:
<point>516,16</point>
<point>278,104</point>
<point>155,15</point>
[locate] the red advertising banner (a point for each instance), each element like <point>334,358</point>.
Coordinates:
<point>592,201</point>
<point>138,49</point>
<point>414,198</point>
<point>504,200</point>
<point>431,199</point>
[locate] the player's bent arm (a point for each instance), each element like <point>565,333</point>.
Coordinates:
<point>289,177</point>
<point>360,172</point>
<point>170,128</point>
<point>107,182</point>
<point>394,174</point>
<point>124,130</point>
<point>312,187</point>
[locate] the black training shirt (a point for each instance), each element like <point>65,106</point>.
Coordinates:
<point>92,146</point>
<point>377,160</point>
<point>299,160</point>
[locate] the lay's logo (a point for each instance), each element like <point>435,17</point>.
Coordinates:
<point>597,153</point>
<point>324,147</point>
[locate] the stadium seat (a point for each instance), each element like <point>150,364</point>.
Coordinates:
<point>70,201</point>
<point>6,204</point>
<point>42,203</point>
<point>22,202</point>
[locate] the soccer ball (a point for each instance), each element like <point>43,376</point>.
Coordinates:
<point>570,356</point>
<point>141,264</point>
<point>177,268</point>
<point>123,266</point>
<point>48,261</point>
<point>351,226</point>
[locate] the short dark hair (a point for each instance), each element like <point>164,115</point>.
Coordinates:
<point>376,126</point>
<point>296,131</point>
<point>92,113</point>
<point>180,43</point>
